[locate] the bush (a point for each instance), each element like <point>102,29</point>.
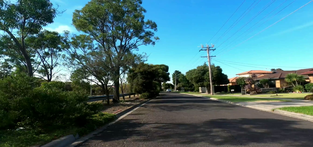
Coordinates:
<point>145,95</point>
<point>298,88</point>
<point>271,92</point>
<point>54,85</point>
<point>23,104</point>
<point>309,87</point>
<point>309,97</point>
<point>281,91</point>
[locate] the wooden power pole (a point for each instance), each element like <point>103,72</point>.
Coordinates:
<point>208,49</point>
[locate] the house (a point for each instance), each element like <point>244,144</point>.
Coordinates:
<point>309,74</point>
<point>254,73</point>
<point>277,75</point>
<point>250,73</point>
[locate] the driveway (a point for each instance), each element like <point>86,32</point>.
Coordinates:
<point>185,120</point>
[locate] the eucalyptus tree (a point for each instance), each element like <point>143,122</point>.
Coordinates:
<point>118,27</point>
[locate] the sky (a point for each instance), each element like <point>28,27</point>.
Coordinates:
<point>260,35</point>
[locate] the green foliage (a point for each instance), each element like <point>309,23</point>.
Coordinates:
<point>128,29</point>
<point>265,83</point>
<point>309,87</point>
<point>298,88</point>
<point>168,86</point>
<point>49,47</point>
<point>176,76</point>
<point>27,17</point>
<point>31,137</point>
<point>294,79</point>
<point>241,82</point>
<point>48,105</point>
<point>53,85</point>
<point>199,77</point>
<point>145,95</point>
<point>271,92</point>
<point>145,78</point>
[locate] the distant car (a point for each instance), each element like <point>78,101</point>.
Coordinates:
<point>168,90</point>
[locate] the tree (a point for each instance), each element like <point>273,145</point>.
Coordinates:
<point>199,77</point>
<point>145,78</point>
<point>265,83</point>
<point>218,76</point>
<point>294,79</point>
<point>175,77</point>
<point>118,26</point>
<point>89,62</point>
<point>241,82</point>
<point>5,69</point>
<point>49,47</point>
<point>168,86</point>
<point>22,19</point>
<point>185,83</point>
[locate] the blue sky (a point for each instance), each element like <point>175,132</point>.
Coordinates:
<point>183,25</point>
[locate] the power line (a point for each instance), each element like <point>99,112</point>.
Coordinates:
<point>248,22</point>
<point>255,65</point>
<point>248,30</point>
<point>271,25</point>
<point>226,21</point>
<point>235,23</point>
<point>229,65</point>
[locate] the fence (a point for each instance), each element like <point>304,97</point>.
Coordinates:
<point>104,97</point>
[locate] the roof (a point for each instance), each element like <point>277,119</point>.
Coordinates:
<point>233,79</point>
<point>281,74</point>
<point>256,72</point>
<point>308,73</point>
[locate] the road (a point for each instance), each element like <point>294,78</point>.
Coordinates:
<point>184,120</point>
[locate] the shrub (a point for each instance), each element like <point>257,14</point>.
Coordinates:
<point>309,87</point>
<point>298,88</point>
<point>271,92</point>
<point>53,85</point>
<point>145,95</point>
<point>53,107</point>
<point>23,104</point>
<point>309,97</point>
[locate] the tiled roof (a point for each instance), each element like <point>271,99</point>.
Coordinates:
<point>256,72</point>
<point>233,79</point>
<point>281,74</point>
<point>308,73</point>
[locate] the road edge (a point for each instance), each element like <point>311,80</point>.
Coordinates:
<point>74,140</point>
<point>120,116</point>
<point>275,111</point>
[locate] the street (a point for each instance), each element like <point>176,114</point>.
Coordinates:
<point>183,120</point>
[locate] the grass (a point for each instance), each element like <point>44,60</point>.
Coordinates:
<point>244,99</point>
<point>279,95</point>
<point>308,110</point>
<point>25,138</point>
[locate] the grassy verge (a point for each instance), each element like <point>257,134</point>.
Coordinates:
<point>245,99</point>
<point>308,110</point>
<point>24,138</point>
<point>279,95</point>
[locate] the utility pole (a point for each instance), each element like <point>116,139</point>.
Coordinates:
<point>208,49</point>
<point>175,83</point>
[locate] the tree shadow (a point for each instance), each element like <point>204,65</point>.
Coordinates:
<point>233,132</point>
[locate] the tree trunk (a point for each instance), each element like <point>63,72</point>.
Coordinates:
<point>107,94</point>
<point>116,98</point>
<point>122,89</point>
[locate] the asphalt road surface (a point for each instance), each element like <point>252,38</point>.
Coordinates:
<point>183,120</point>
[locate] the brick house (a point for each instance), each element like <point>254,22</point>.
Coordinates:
<point>277,75</point>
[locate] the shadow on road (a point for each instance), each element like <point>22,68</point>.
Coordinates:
<point>215,132</point>
<point>152,125</point>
